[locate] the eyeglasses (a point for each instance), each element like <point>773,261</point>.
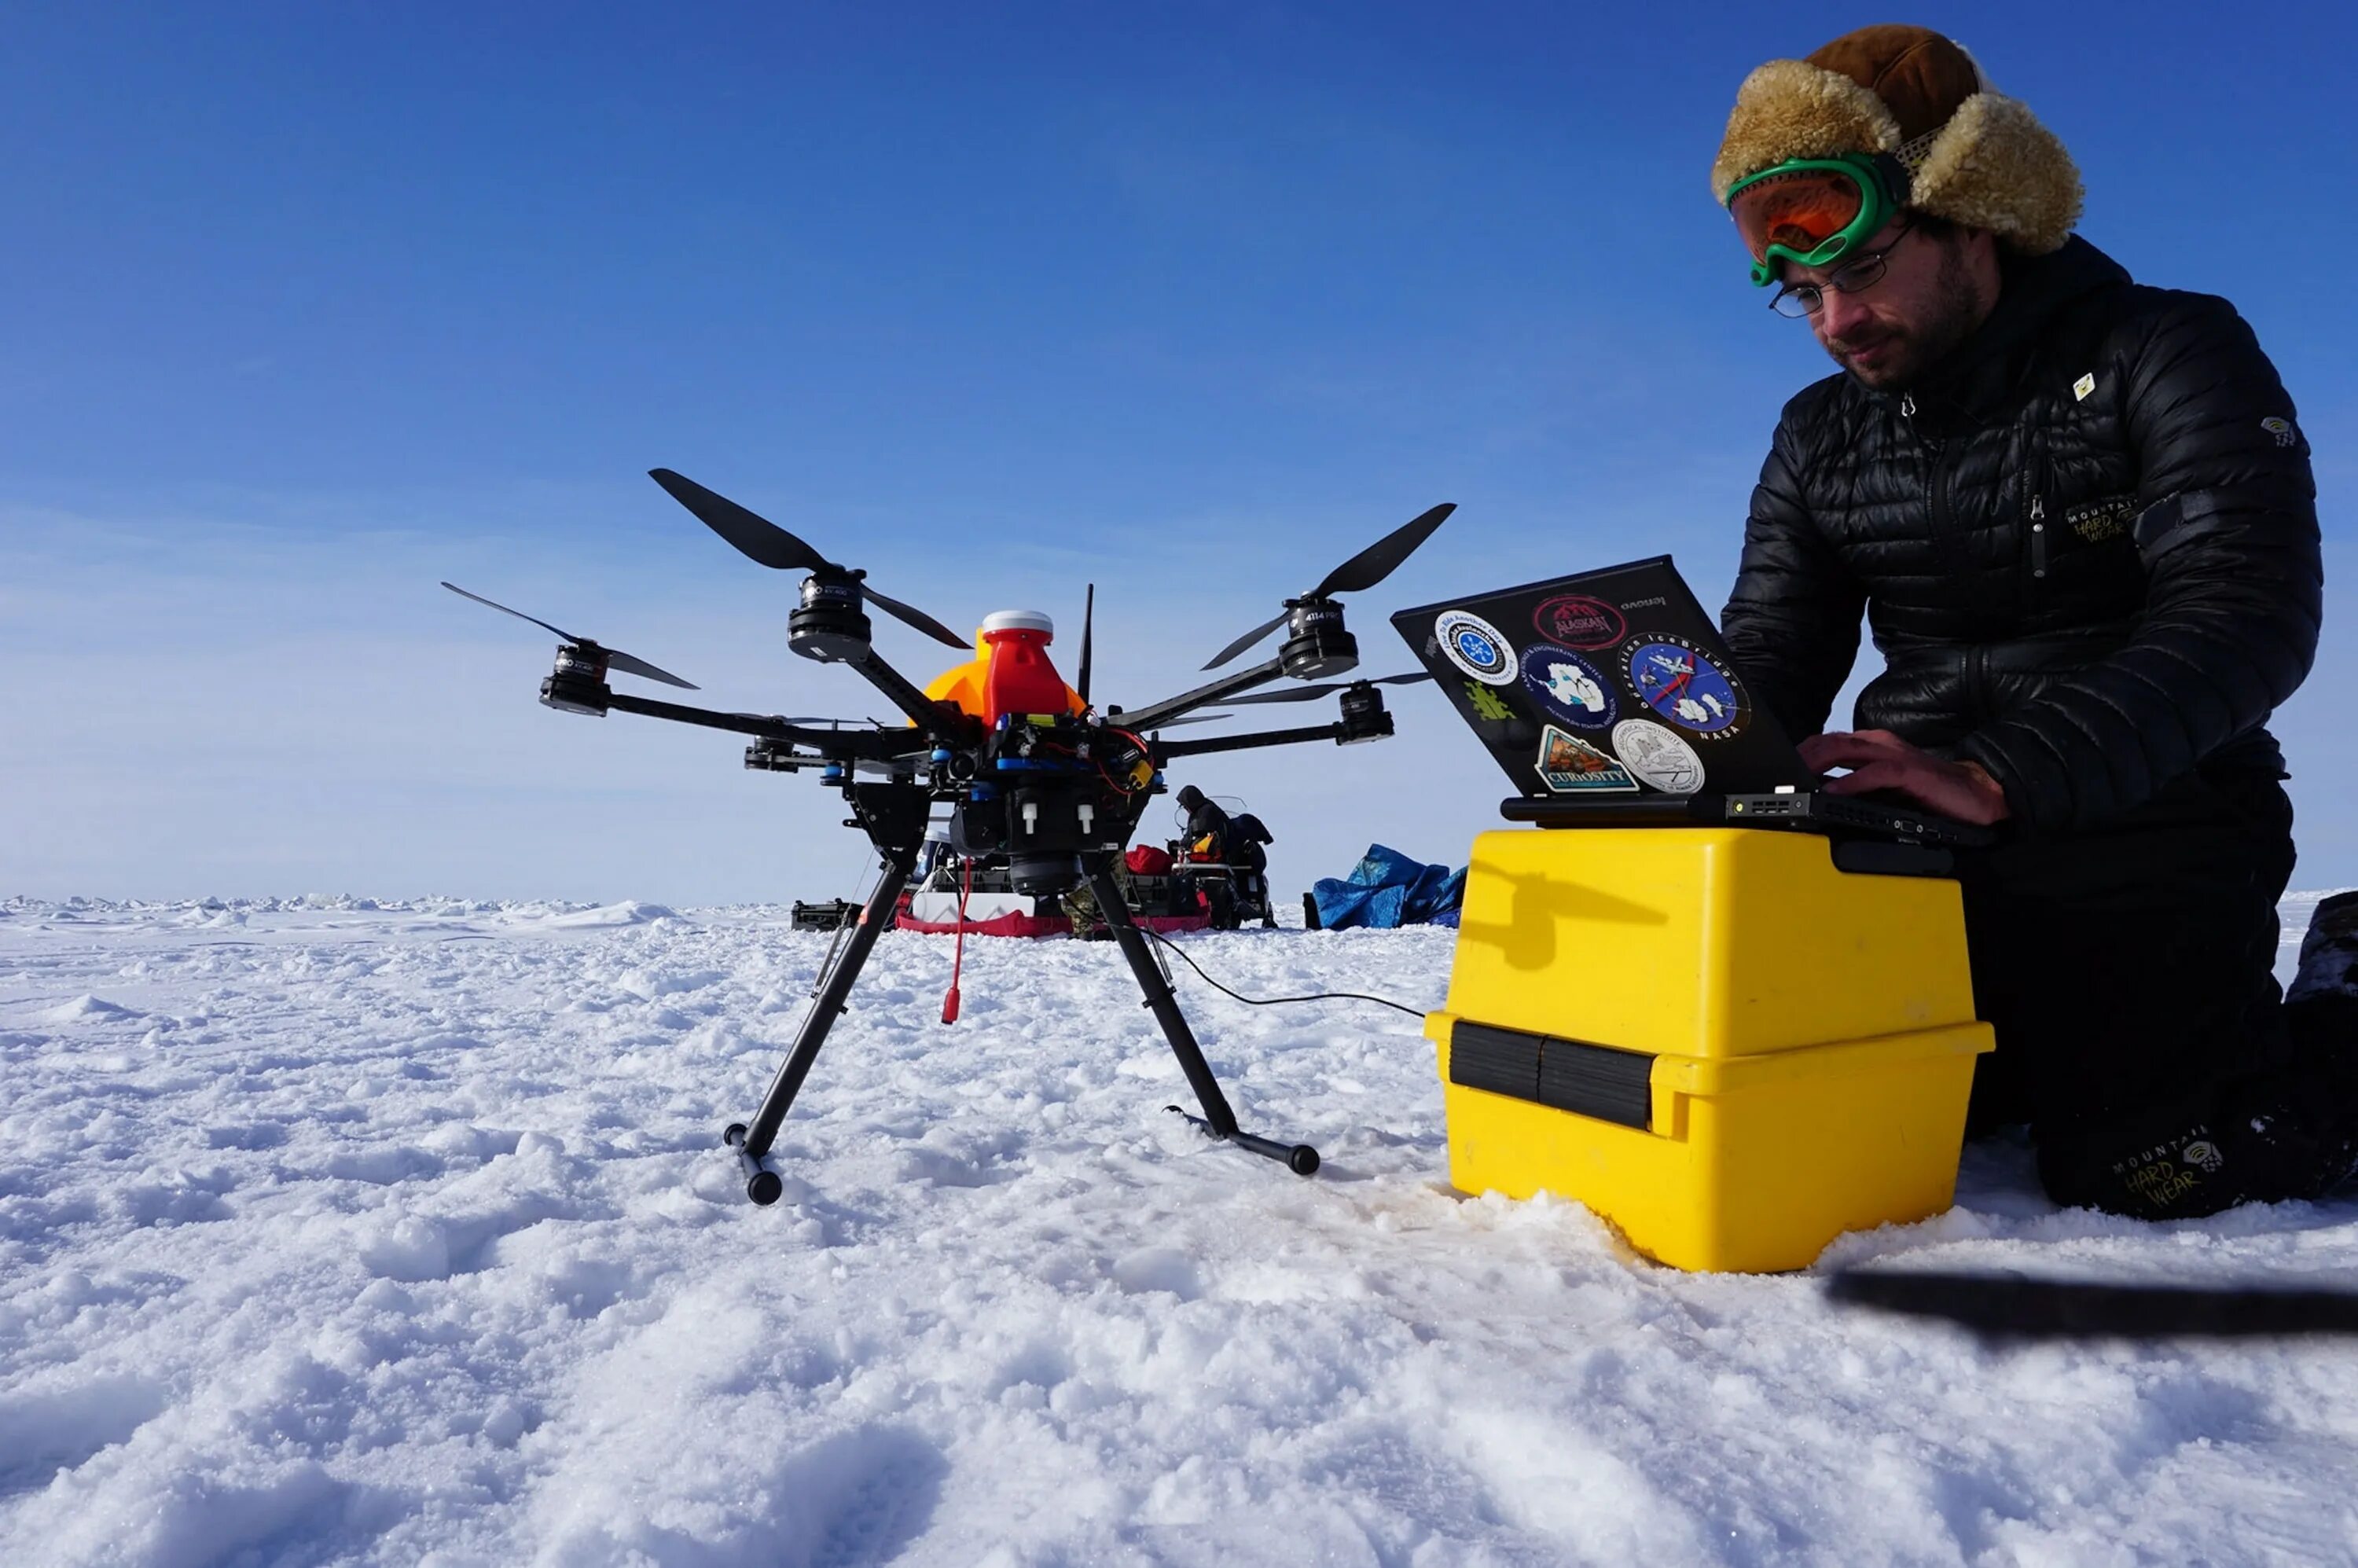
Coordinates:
<point>1800,300</point>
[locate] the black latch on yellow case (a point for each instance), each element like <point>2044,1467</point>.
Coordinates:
<point>1562,1074</point>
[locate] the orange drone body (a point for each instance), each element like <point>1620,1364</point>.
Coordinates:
<point>1009,672</point>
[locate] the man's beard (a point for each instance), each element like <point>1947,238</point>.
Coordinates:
<point>1957,310</point>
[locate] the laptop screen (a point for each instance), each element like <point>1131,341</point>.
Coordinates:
<point>1605,683</point>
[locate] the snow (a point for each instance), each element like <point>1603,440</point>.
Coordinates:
<point>339,1230</point>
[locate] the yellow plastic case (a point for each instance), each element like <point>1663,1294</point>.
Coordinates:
<point>1711,1036</point>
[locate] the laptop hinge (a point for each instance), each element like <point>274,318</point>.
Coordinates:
<point>1562,1074</point>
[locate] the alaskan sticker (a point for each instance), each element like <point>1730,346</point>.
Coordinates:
<point>1569,686</point>
<point>2082,387</point>
<point>1569,766</point>
<point>1657,757</point>
<point>1475,646</point>
<point>1576,621</point>
<point>1685,688</point>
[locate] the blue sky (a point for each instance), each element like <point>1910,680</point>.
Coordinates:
<point>311,305</point>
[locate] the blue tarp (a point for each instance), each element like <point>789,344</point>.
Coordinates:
<point>1387,888</point>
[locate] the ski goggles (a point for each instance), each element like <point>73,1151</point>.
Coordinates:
<point>1812,211</point>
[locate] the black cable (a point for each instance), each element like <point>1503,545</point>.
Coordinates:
<point>1278,1000</point>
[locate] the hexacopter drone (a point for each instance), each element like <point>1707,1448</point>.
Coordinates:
<point>1034,779</point>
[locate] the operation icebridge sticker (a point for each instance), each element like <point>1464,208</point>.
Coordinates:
<point>1683,687</point>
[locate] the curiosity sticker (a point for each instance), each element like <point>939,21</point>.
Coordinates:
<point>1576,621</point>
<point>1475,646</point>
<point>1569,766</point>
<point>1569,686</point>
<point>1674,679</point>
<point>1657,756</point>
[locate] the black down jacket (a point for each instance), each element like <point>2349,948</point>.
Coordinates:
<point>2087,545</point>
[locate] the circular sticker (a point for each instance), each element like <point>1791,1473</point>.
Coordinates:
<point>1475,646</point>
<point>1685,688</point>
<point>1577,621</point>
<point>1657,756</point>
<point>1570,687</point>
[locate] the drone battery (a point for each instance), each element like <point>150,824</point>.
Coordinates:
<point>1715,1038</point>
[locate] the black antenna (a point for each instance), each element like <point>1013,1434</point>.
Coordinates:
<point>1089,614</point>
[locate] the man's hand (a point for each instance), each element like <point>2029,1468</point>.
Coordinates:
<point>1880,759</point>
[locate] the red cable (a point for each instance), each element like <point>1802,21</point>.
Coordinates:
<point>958,958</point>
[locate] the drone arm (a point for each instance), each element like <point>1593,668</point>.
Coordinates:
<point>851,744</point>
<point>1211,743</point>
<point>934,719</point>
<point>1154,714</point>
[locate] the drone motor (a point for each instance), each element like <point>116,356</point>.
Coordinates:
<point>1365,716</point>
<point>829,624</point>
<point>1319,646</point>
<point>577,685</point>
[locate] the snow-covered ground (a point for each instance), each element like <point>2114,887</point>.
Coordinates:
<point>337,1232</point>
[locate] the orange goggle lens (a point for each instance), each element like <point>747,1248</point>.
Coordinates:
<point>1800,211</point>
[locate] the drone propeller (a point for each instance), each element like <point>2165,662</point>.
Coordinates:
<point>615,658</point>
<point>1304,693</point>
<point>1361,572</point>
<point>759,540</point>
<point>1088,618</point>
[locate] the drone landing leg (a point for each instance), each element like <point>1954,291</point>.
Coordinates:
<point>1217,1119</point>
<point>762,1184</point>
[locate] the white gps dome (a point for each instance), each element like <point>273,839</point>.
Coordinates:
<point>1019,621</point>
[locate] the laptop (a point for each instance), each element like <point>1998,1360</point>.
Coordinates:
<point>1610,700</point>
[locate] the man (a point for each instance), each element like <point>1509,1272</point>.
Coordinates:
<point>2077,515</point>
<point>1234,842</point>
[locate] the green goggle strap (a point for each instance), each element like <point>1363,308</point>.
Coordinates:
<point>1878,205</point>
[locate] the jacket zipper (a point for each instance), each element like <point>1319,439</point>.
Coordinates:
<point>2038,535</point>
<point>1945,544</point>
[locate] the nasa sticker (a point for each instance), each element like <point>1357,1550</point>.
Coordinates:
<point>1577,621</point>
<point>1569,766</point>
<point>1569,686</point>
<point>1657,757</point>
<point>1475,646</point>
<point>1685,688</point>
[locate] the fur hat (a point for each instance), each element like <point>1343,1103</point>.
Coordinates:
<point>1972,154</point>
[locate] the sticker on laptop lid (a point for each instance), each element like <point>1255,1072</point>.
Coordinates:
<point>1685,688</point>
<point>1571,689</point>
<point>1657,756</point>
<point>1488,705</point>
<point>1569,766</point>
<point>1578,621</point>
<point>1475,646</point>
